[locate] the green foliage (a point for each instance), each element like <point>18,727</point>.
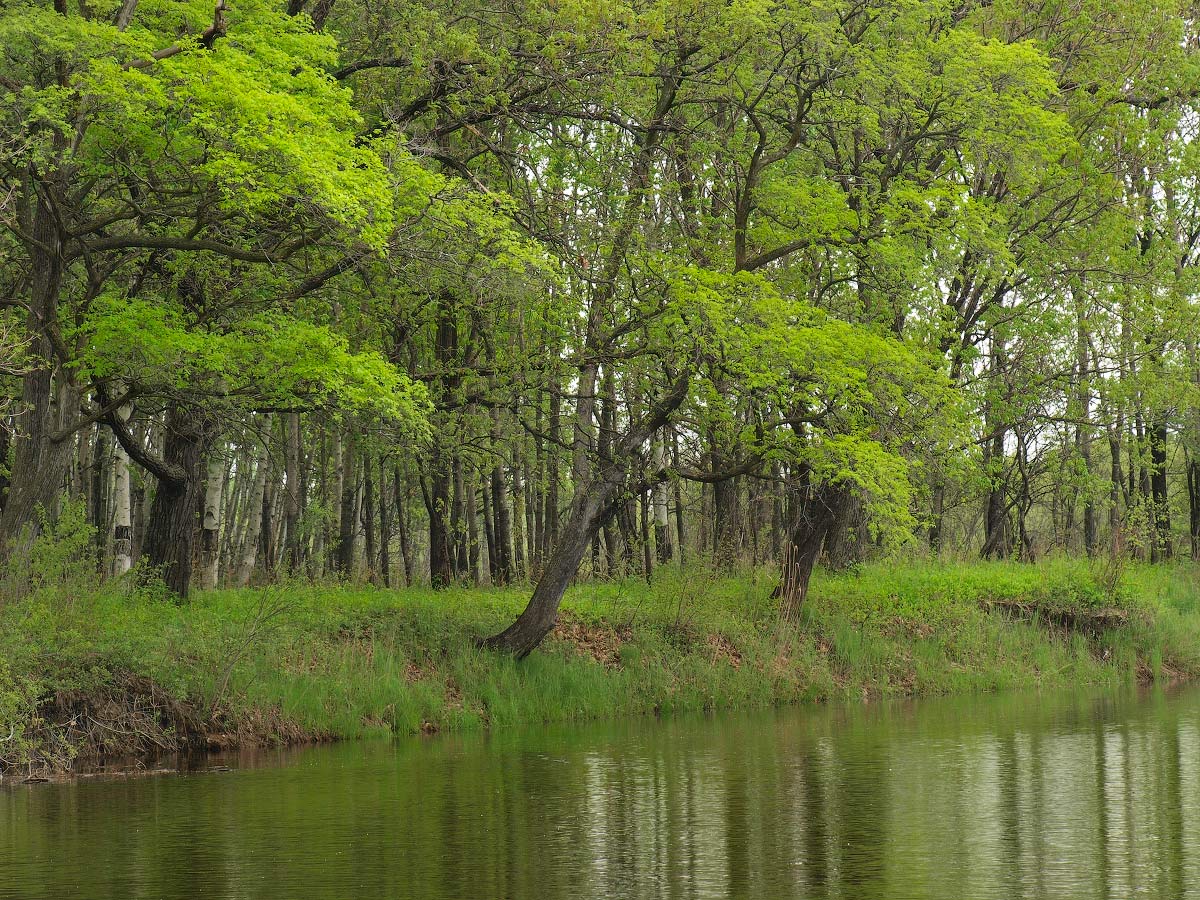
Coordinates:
<point>354,662</point>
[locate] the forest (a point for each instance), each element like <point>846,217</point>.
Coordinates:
<point>535,293</point>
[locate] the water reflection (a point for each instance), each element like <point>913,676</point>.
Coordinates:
<point>1042,796</point>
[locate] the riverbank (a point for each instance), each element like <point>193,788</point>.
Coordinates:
<point>90,671</point>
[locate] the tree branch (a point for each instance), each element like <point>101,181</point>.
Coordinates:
<point>208,37</point>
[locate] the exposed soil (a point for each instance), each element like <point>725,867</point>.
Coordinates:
<point>133,720</point>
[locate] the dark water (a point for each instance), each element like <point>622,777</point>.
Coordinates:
<point>1034,796</point>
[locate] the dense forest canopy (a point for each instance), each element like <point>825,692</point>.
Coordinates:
<point>444,291</point>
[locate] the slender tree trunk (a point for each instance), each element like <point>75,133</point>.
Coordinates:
<point>662,523</point>
<point>348,522</point>
<point>210,527</point>
<point>293,493</point>
<point>1193,490</point>
<point>406,553</point>
<point>122,529</point>
<point>266,535</point>
<point>518,519</point>
<point>472,531</point>
<point>680,535</point>
<point>458,530</point>
<point>503,527</point>
<point>550,532</point>
<point>369,531</point>
<point>385,527</point>
<point>489,529</point>
<point>5,444</point>
<point>97,493</point>
<point>647,559</point>
<point>256,502</point>
<point>1161,510</point>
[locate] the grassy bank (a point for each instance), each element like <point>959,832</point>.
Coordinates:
<point>88,669</point>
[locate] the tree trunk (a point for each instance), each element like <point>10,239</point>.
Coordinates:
<point>592,502</point>
<point>174,515</point>
<point>348,523</point>
<point>817,515</point>
<point>368,514</point>
<point>402,526</point>
<point>503,528</point>
<point>385,528</point>
<point>97,493</point>
<point>40,463</point>
<point>293,497</point>
<point>255,516</point>
<point>1161,510</point>
<point>458,529</point>
<point>662,523</point>
<point>122,529</point>
<point>550,514</point>
<point>472,531</point>
<point>210,527</point>
<point>680,536</point>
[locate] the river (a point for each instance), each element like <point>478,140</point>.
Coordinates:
<point>1045,795</point>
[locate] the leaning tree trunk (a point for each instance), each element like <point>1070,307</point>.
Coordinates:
<point>593,501</point>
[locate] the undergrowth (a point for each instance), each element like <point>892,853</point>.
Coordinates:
<point>297,662</point>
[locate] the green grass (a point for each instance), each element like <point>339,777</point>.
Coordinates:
<point>295,662</point>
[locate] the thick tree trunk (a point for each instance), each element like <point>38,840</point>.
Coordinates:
<point>441,566</point>
<point>818,513</point>
<point>175,513</point>
<point>40,463</point>
<point>726,516</point>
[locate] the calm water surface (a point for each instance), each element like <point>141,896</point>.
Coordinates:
<point>1019,796</point>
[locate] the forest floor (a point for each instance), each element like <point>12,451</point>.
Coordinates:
<point>92,671</point>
